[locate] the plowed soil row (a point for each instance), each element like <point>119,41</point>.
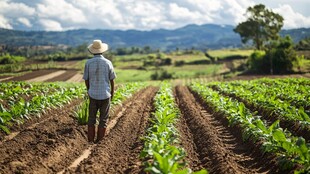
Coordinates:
<point>53,144</point>
<point>64,77</point>
<point>120,149</point>
<point>46,147</point>
<point>216,146</point>
<point>31,75</point>
<point>68,75</point>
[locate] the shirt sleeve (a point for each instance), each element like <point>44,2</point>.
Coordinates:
<point>85,76</point>
<point>112,74</point>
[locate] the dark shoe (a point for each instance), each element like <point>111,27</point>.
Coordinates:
<point>91,133</point>
<point>100,134</point>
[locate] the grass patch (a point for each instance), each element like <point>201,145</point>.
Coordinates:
<point>131,75</point>
<point>229,52</point>
<point>186,71</point>
<point>188,58</point>
<point>194,71</point>
<point>128,65</point>
<point>128,58</point>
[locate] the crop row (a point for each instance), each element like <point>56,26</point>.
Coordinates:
<point>267,99</point>
<point>161,153</point>
<point>11,92</point>
<point>295,91</point>
<point>40,102</point>
<point>292,152</point>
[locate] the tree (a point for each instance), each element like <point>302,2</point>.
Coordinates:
<point>261,26</point>
<point>279,58</point>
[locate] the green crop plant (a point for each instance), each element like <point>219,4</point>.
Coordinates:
<point>290,150</point>
<point>24,100</point>
<point>82,111</point>
<point>275,99</point>
<point>161,152</point>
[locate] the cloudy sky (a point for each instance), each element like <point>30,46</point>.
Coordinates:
<point>59,15</point>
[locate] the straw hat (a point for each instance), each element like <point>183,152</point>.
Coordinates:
<point>97,47</point>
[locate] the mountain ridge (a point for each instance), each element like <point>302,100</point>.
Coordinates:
<point>206,36</point>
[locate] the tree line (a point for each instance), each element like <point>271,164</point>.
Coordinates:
<point>273,54</point>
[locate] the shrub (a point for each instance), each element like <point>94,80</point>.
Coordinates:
<point>179,63</point>
<point>256,61</point>
<point>279,58</point>
<point>161,75</point>
<point>9,59</point>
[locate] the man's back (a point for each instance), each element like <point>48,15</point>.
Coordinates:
<point>99,71</point>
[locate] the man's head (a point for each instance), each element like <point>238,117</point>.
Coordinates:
<point>97,47</point>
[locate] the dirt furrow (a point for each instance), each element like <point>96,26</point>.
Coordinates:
<point>119,152</point>
<point>188,144</point>
<point>76,78</point>
<point>47,76</point>
<point>220,148</point>
<point>30,75</point>
<point>34,120</point>
<point>63,77</point>
<point>45,148</point>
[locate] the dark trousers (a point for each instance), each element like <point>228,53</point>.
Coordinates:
<point>103,106</point>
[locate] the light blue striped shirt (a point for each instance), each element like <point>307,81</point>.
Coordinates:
<point>99,71</point>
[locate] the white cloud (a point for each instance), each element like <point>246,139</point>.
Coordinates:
<point>50,25</point>
<point>13,10</point>
<point>4,23</point>
<point>292,19</point>
<point>24,21</point>
<point>61,11</point>
<point>177,12</point>
<point>138,14</point>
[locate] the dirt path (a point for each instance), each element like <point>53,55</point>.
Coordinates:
<point>220,149</point>
<point>120,149</point>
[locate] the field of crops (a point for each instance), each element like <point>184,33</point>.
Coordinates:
<point>257,126</point>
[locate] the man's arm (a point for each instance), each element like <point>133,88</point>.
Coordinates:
<point>87,84</point>
<point>112,88</point>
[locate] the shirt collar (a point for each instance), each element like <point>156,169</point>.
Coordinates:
<point>98,56</point>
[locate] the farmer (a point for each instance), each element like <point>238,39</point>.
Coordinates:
<point>99,78</point>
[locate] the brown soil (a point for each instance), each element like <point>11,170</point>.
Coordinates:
<point>120,149</point>
<point>45,147</point>
<point>220,149</point>
<point>52,144</point>
<point>64,77</point>
<point>31,75</point>
<point>67,76</point>
<point>35,120</point>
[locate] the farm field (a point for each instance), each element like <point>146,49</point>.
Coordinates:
<point>209,125</point>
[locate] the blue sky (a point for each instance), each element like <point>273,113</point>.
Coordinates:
<point>59,15</point>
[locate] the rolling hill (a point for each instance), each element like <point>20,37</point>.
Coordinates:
<point>197,36</point>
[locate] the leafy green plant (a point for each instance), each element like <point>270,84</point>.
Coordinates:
<point>82,111</point>
<point>25,100</point>
<point>160,151</point>
<point>289,149</point>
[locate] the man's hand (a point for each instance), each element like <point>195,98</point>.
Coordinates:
<point>112,96</point>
